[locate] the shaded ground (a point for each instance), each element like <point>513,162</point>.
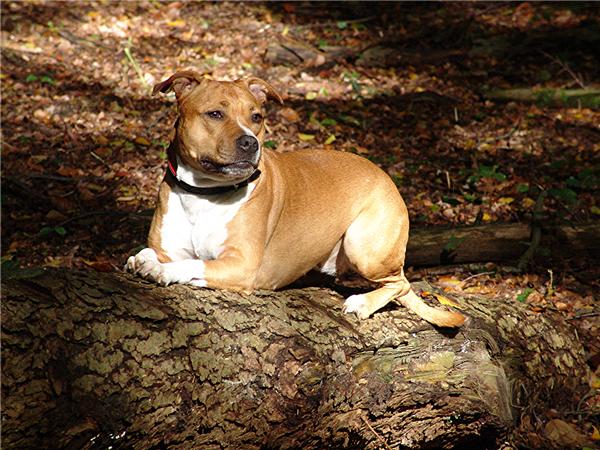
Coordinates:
<point>83,142</point>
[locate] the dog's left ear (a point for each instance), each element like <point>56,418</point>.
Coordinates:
<point>262,90</point>
<point>182,83</point>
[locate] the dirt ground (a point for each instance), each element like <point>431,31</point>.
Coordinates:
<point>403,84</point>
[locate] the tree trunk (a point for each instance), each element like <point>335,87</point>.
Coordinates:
<point>498,242</point>
<point>93,360</point>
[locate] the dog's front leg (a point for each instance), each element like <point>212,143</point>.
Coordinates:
<point>232,271</point>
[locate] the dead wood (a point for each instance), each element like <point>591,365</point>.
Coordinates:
<point>295,53</point>
<point>92,360</point>
<point>498,242</point>
<point>583,98</point>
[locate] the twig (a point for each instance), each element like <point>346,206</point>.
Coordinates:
<point>385,444</point>
<point>292,51</point>
<point>565,67</point>
<point>74,39</point>
<point>464,282</point>
<point>584,315</point>
<point>506,135</point>
<point>134,63</point>
<point>100,159</point>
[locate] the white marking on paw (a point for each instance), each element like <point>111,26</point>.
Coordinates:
<point>356,304</point>
<point>143,262</point>
<point>189,271</point>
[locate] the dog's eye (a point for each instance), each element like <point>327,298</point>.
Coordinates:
<point>215,114</point>
<point>257,118</point>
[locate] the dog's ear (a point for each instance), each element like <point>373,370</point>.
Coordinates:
<point>262,90</point>
<point>182,83</point>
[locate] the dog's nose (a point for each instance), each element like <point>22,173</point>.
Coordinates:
<point>246,143</point>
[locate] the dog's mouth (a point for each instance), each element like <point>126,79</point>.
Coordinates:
<point>232,170</point>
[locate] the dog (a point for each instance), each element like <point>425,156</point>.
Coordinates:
<point>235,215</point>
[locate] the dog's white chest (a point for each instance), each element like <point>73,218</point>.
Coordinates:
<point>196,226</point>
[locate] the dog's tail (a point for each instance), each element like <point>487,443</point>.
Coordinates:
<point>435,316</point>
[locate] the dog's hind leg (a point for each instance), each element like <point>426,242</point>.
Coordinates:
<point>375,245</point>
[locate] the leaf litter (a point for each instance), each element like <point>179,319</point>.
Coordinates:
<point>83,142</point>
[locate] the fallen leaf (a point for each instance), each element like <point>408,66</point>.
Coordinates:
<point>527,202</point>
<point>69,171</point>
<point>99,265</point>
<point>306,137</point>
<point>55,216</point>
<point>506,200</point>
<point>178,23</point>
<point>94,187</point>
<point>142,141</point>
<point>38,158</point>
<point>449,280</point>
<point>446,301</point>
<point>330,139</point>
<point>290,115</point>
<point>564,434</point>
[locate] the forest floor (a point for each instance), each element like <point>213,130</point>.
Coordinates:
<point>83,141</point>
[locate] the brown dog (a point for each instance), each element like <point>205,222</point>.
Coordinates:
<point>234,215</point>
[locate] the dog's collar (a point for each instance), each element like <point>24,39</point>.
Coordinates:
<point>172,174</point>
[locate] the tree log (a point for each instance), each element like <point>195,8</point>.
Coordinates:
<point>93,360</point>
<point>586,98</point>
<point>498,242</point>
<point>293,53</point>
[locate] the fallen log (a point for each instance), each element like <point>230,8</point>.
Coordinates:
<point>498,242</point>
<point>294,53</point>
<point>575,98</point>
<point>104,360</point>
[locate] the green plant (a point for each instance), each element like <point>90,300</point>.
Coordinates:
<point>484,171</point>
<point>523,295</point>
<point>45,231</point>
<point>11,270</point>
<point>566,195</point>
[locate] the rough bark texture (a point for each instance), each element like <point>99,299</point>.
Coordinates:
<point>498,242</point>
<point>93,360</point>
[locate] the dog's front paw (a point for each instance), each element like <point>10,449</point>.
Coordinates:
<point>358,305</point>
<point>164,274</point>
<point>142,263</point>
<point>186,272</point>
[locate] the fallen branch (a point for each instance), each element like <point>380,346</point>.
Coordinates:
<point>586,98</point>
<point>499,242</point>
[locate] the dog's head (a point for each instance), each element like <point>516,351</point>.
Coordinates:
<point>221,126</point>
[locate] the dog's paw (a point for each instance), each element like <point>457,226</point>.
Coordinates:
<point>142,263</point>
<point>164,274</point>
<point>185,272</point>
<point>358,305</point>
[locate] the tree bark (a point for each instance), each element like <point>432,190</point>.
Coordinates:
<point>498,242</point>
<point>93,360</point>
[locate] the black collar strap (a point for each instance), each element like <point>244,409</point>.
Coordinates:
<point>172,174</point>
